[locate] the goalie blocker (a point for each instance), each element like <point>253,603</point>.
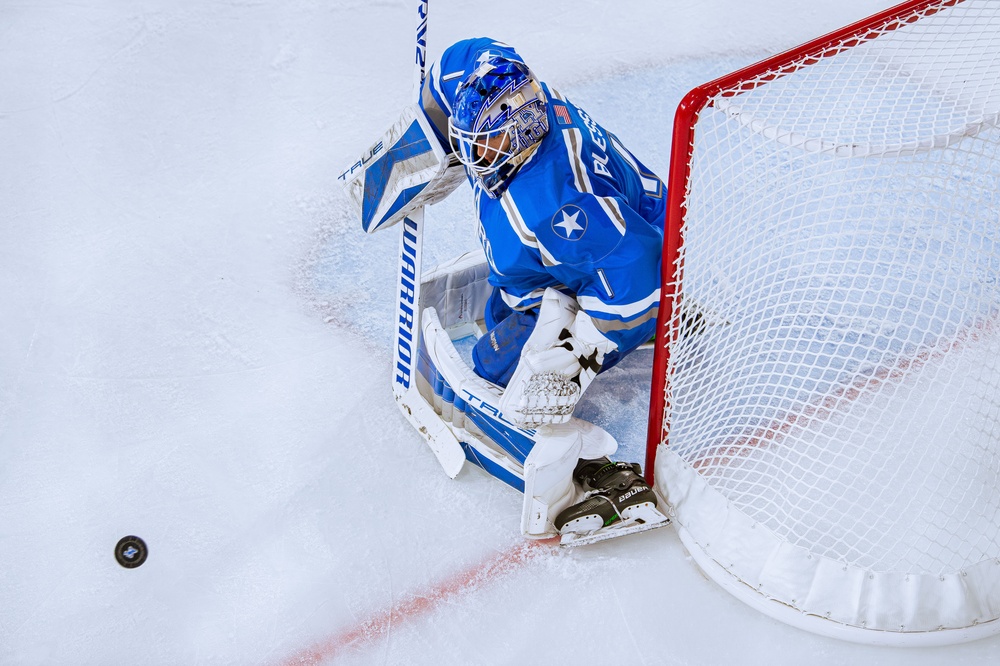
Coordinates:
<point>401,172</point>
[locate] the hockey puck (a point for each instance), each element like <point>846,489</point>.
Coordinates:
<point>131,552</point>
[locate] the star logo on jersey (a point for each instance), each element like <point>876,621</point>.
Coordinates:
<point>570,223</point>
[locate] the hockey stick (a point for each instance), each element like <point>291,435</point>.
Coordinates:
<point>442,442</point>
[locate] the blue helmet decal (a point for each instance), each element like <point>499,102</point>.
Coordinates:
<point>498,118</point>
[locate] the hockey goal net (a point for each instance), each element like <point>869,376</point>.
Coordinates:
<point>825,417</point>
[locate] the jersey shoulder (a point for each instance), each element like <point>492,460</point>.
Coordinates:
<point>571,226</point>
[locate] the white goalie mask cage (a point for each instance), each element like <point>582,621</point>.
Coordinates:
<point>499,116</point>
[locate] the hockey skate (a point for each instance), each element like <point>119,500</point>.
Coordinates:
<point>618,501</point>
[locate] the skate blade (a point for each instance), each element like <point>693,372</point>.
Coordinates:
<point>650,519</point>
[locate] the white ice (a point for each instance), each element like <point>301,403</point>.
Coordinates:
<point>194,347</point>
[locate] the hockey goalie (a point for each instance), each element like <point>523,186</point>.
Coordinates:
<point>566,284</point>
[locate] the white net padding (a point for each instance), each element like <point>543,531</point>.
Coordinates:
<point>832,404</point>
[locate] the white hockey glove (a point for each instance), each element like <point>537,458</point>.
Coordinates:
<point>562,356</point>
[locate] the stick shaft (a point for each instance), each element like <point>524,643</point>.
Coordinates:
<point>420,63</point>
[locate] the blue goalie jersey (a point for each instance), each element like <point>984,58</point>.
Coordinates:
<point>581,215</point>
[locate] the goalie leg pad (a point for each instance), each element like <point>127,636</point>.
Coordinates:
<point>548,478</point>
<point>549,471</point>
<point>458,290</point>
<point>469,407</point>
<point>467,403</point>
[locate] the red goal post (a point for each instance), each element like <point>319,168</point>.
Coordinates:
<point>682,145</point>
<point>825,406</point>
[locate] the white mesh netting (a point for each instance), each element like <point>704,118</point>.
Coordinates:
<point>833,393</point>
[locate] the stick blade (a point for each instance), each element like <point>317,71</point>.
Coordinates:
<point>439,437</point>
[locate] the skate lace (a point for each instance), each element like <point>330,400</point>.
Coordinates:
<point>611,494</point>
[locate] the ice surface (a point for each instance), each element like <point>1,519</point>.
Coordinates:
<point>193,348</point>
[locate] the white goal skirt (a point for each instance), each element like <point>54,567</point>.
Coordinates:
<point>831,441</point>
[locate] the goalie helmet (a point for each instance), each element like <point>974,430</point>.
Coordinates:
<point>498,119</point>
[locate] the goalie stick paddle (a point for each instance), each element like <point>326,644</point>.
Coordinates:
<point>442,442</point>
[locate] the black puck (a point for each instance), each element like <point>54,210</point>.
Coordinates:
<point>131,552</point>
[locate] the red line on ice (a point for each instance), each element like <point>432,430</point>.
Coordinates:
<point>419,603</point>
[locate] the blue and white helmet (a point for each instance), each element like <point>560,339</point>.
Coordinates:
<point>497,120</point>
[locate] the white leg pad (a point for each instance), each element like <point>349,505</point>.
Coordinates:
<point>552,450</point>
<point>597,441</point>
<point>548,471</point>
<point>458,291</point>
<point>548,478</point>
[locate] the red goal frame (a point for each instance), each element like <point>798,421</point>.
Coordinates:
<point>681,152</point>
